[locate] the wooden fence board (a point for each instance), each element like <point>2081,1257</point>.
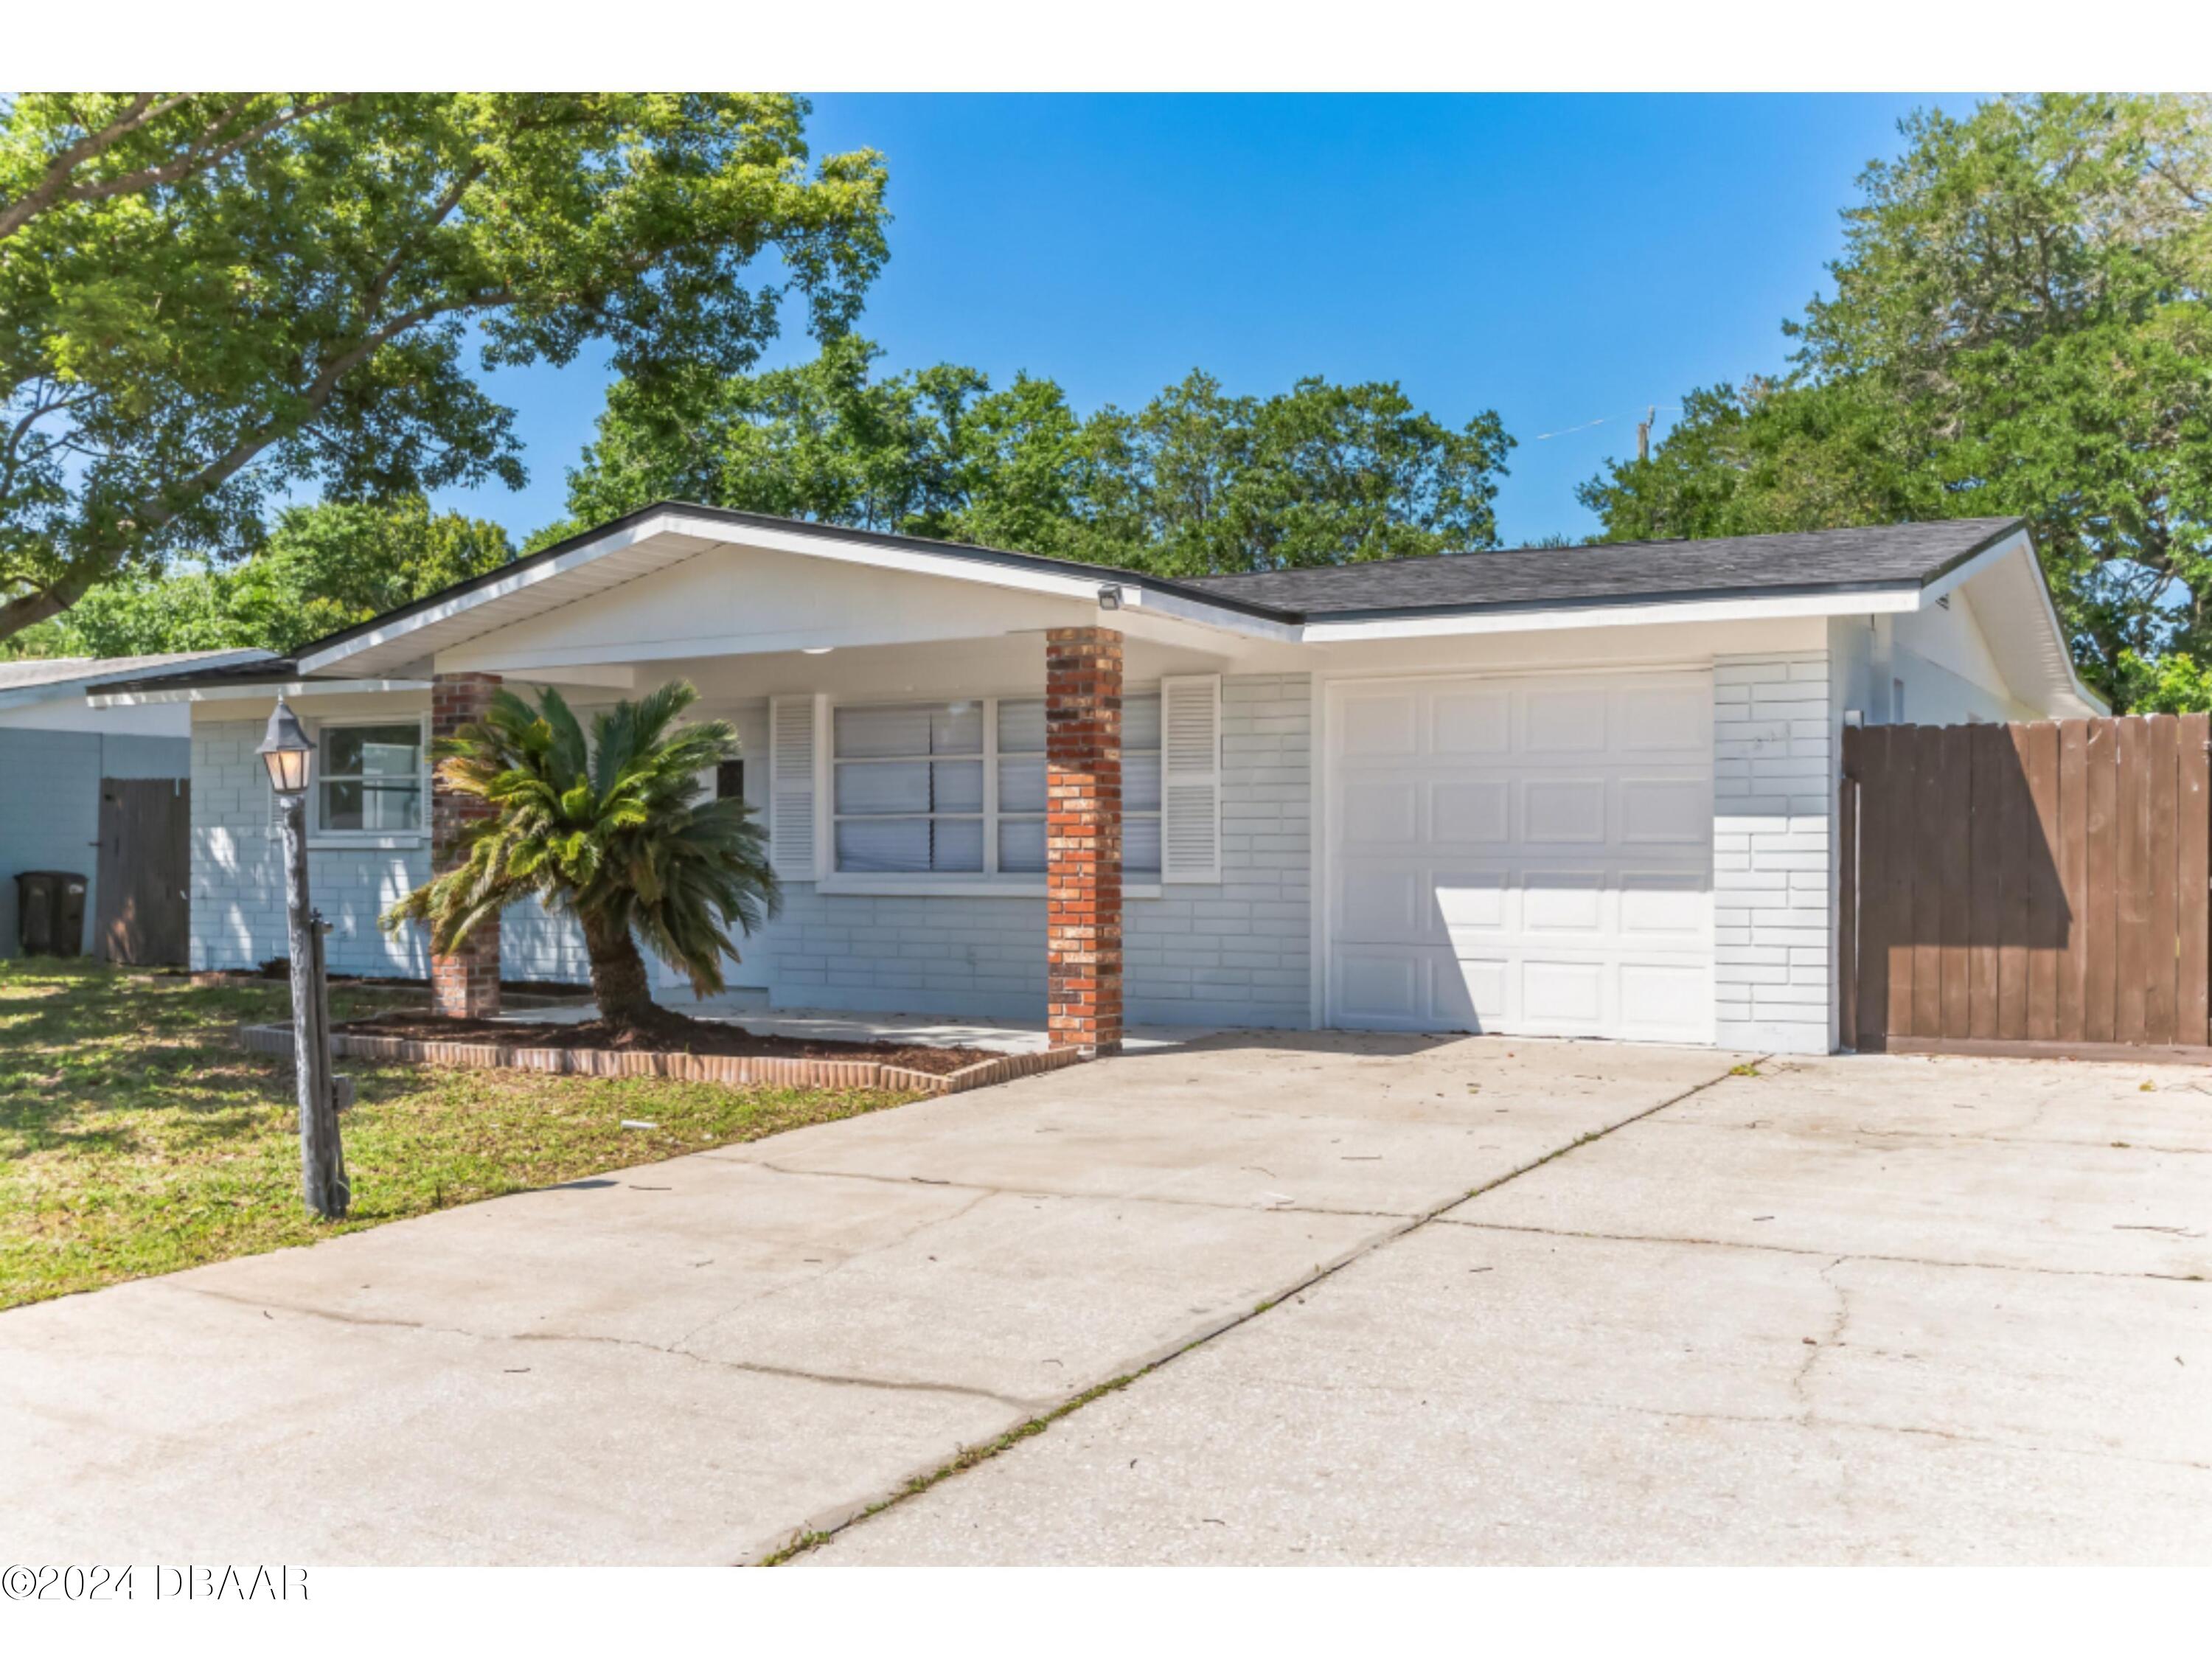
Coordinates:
<point>2019,880</point>
<point>1955,847</point>
<point>2046,899</point>
<point>1897,882</point>
<point>1847,889</point>
<point>2162,921</point>
<point>1986,831</point>
<point>2192,978</point>
<point>2073,871</point>
<point>2132,888</point>
<point>2101,907</point>
<point>1874,789</point>
<point>1928,885</point>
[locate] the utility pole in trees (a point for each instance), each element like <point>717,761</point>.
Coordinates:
<point>1643,434</point>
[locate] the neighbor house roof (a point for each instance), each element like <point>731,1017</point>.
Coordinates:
<point>1876,558</point>
<point>36,678</point>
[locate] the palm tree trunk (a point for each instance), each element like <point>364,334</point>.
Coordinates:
<point>619,984</point>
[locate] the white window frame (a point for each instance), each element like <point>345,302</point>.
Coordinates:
<point>990,881</point>
<point>318,835</point>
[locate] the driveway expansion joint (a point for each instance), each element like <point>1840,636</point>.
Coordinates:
<point>811,1536</point>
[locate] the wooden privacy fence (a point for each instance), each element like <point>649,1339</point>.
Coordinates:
<point>2038,887</point>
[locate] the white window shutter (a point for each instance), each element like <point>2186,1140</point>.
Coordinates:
<point>790,787</point>
<point>1190,778</point>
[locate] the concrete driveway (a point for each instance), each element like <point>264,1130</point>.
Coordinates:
<point>1843,1310</point>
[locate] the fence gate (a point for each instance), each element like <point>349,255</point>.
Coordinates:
<point>145,869</point>
<point>2033,888</point>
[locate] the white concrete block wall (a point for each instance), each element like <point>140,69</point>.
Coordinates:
<point>238,882</point>
<point>1240,953</point>
<point>1231,953</point>
<point>1773,800</point>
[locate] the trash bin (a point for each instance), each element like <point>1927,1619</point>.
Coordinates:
<point>50,913</point>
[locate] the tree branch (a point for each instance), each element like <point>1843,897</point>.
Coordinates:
<point>14,215</point>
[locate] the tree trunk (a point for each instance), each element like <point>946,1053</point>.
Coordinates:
<point>619,984</point>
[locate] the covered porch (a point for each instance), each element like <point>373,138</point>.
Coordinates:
<point>966,766</point>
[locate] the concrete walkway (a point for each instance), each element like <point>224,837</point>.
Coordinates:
<point>694,1361</point>
<point>1848,1310</point>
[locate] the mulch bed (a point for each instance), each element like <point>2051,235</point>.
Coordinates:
<point>678,1036</point>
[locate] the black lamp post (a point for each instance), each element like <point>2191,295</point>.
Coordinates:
<point>288,754</point>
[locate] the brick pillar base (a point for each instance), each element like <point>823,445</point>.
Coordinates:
<point>465,985</point>
<point>1083,843</point>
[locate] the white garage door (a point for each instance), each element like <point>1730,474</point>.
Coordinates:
<point>1523,855</point>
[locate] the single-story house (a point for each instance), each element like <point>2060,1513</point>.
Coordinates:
<point>1584,791</point>
<point>76,779</point>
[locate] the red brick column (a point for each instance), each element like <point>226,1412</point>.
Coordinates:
<point>465,985</point>
<point>1083,838</point>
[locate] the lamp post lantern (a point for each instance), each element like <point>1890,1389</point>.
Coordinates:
<point>288,754</point>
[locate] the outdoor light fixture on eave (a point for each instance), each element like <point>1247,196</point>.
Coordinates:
<point>289,753</point>
<point>1110,597</point>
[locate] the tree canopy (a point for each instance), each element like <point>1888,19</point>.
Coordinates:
<point>208,299</point>
<point>1198,481</point>
<point>2021,323</point>
<point>322,567</point>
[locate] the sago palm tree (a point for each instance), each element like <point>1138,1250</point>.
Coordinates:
<point>613,832</point>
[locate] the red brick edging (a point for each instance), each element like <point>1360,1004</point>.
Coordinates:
<point>680,1067</point>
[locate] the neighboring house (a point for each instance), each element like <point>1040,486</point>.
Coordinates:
<point>58,755</point>
<point>1573,791</point>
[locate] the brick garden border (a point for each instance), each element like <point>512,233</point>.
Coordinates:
<point>733,1069</point>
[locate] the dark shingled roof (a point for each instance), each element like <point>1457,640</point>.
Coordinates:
<point>1881,557</point>
<point>1618,572</point>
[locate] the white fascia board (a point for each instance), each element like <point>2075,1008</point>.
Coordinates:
<point>918,560</point>
<point>1182,608</point>
<point>245,693</point>
<point>83,684</point>
<point>1959,575</point>
<point>1618,615</point>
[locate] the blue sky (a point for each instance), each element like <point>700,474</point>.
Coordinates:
<point>1559,259</point>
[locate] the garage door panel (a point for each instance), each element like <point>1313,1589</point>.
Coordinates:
<point>1664,907</point>
<point>1523,855</point>
<point>1555,902</point>
<point>1382,988</point>
<point>1471,811</point>
<point>1382,904</point>
<point>1666,811</point>
<point>1382,814</point>
<point>1471,722</point>
<point>1568,994</point>
<point>1568,812</point>
<point>1557,721</point>
<point>1381,725</point>
<point>1469,901</point>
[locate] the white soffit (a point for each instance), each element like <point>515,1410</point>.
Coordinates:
<point>2011,601</point>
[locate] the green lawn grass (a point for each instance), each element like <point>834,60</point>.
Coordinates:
<point>137,1138</point>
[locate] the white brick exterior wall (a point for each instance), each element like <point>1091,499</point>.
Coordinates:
<point>1773,798</point>
<point>1234,953</point>
<point>1240,953</point>
<point>238,882</point>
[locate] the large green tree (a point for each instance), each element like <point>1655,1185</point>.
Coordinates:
<point>322,567</point>
<point>1195,482</point>
<point>206,297</point>
<point>2021,323</point>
